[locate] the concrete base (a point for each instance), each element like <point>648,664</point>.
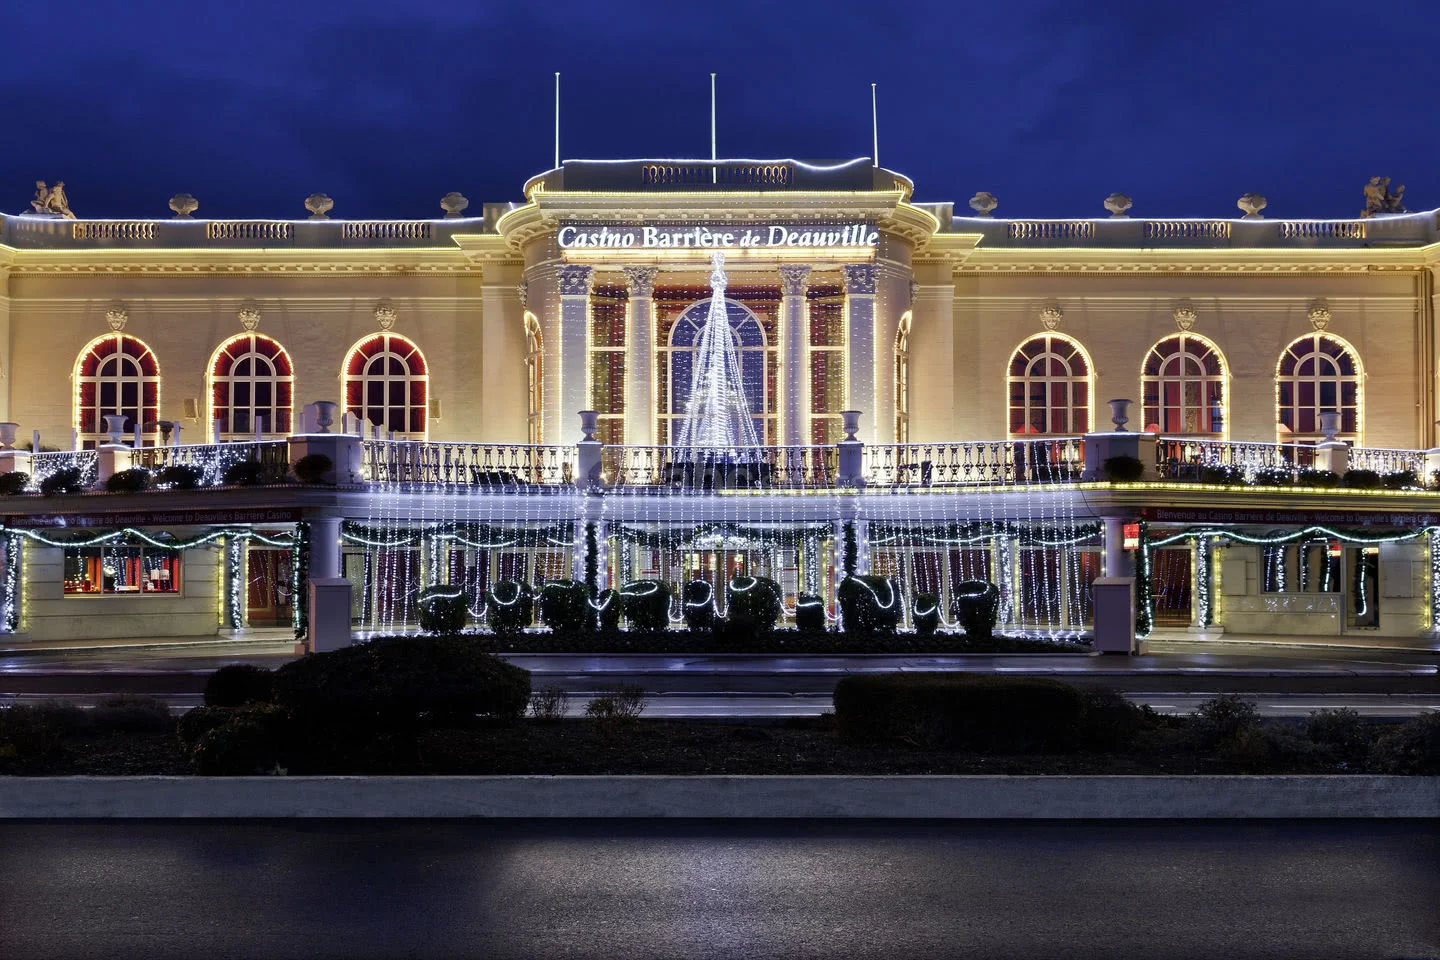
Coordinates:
<point>955,798</point>
<point>329,614</point>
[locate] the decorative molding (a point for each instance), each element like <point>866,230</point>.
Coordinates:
<point>117,315</point>
<point>319,206</point>
<point>860,278</point>
<point>248,315</point>
<point>1118,204</point>
<point>523,290</point>
<point>575,280</point>
<point>1184,315</point>
<point>183,205</point>
<point>640,281</point>
<point>1050,316</point>
<point>1319,314</point>
<point>386,314</point>
<point>795,279</point>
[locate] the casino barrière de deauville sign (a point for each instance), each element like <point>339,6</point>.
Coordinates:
<point>662,236</point>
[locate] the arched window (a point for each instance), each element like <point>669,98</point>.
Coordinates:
<point>758,367</point>
<point>1183,383</point>
<point>533,374</point>
<point>902,380</point>
<point>386,384</point>
<point>250,382</point>
<point>1316,374</point>
<point>1049,385</point>
<point>116,374</point>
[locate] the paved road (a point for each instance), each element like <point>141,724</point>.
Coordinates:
<point>1317,890</point>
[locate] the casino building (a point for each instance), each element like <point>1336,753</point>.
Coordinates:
<point>1281,377</point>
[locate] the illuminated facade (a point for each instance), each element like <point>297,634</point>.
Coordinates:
<point>845,293</point>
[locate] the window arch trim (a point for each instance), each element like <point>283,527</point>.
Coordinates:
<point>415,402</point>
<point>148,411</point>
<point>273,429</point>
<point>1223,377</point>
<point>1358,378</point>
<point>1088,380</point>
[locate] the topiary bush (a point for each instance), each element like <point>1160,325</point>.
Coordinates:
<point>646,604</point>
<point>699,605</point>
<point>62,481</point>
<point>510,606</point>
<point>608,609</point>
<point>1274,477</point>
<point>1399,480</point>
<point>237,684</point>
<point>134,480</point>
<point>443,609</point>
<point>1319,478</point>
<point>401,684</point>
<point>246,473</point>
<point>753,604</point>
<point>976,605</point>
<point>312,468</point>
<point>563,605</point>
<point>1362,479</point>
<point>925,614</point>
<point>1124,469</point>
<point>181,476</point>
<point>959,710</point>
<point>809,613</point>
<point>13,483</point>
<point>870,604</point>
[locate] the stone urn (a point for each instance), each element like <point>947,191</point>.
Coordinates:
<point>7,435</point>
<point>115,426</point>
<point>1118,204</point>
<point>589,423</point>
<point>983,203</point>
<point>1329,424</point>
<point>325,415</point>
<point>1120,414</point>
<point>319,205</point>
<point>454,205</point>
<point>850,423</point>
<point>183,204</point>
<point>1252,204</point>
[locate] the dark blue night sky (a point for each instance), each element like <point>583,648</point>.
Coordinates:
<point>251,106</point>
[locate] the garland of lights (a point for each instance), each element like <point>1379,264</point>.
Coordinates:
<point>300,565</point>
<point>671,538</point>
<point>1144,598</point>
<point>1204,579</point>
<point>1435,579</point>
<point>10,603</point>
<point>464,534</point>
<point>973,532</point>
<point>133,533</point>
<point>235,571</point>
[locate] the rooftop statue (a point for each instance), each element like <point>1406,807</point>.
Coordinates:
<point>51,201</point>
<point>1379,200</point>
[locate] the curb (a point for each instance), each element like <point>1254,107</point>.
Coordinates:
<point>739,797</point>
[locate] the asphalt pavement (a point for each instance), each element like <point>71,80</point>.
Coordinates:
<point>1326,890</point>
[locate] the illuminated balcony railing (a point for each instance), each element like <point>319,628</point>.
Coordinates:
<point>491,465</point>
<point>214,459</point>
<point>795,467</point>
<point>1049,460</point>
<point>1176,458</point>
<point>44,465</point>
<point>1388,460</point>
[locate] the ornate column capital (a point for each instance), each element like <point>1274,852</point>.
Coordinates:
<point>794,279</point>
<point>640,281</point>
<point>861,278</point>
<point>575,280</point>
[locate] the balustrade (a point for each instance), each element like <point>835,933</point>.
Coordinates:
<point>468,464</point>
<point>1183,458</point>
<point>44,465</point>
<point>788,467</point>
<point>214,459</point>
<point>1051,460</point>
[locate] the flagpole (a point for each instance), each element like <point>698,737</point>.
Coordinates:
<point>714,175</point>
<point>557,120</point>
<point>874,128</point>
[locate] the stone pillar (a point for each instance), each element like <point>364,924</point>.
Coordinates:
<point>324,546</point>
<point>860,280</point>
<point>329,593</point>
<point>1114,615</point>
<point>794,384</point>
<point>640,356</point>
<point>346,453</point>
<point>113,458</point>
<point>574,347</point>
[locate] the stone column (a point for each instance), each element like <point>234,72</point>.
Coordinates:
<point>794,408</point>
<point>860,282</point>
<point>640,356</point>
<point>329,593</point>
<point>574,349</point>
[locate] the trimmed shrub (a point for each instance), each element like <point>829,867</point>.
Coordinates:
<point>13,483</point>
<point>1112,722</point>
<point>870,604</point>
<point>549,705</point>
<point>194,724</point>
<point>809,613</point>
<point>1274,477</point>
<point>1223,718</point>
<point>312,468</point>
<point>699,606</point>
<point>26,735</point>
<point>1399,480</point>
<point>1362,479</point>
<point>976,605</point>
<point>134,480</point>
<point>925,614</point>
<point>959,710</point>
<point>62,716</point>
<point>181,476</point>
<point>443,609</point>
<point>626,703</point>
<point>246,473</point>
<point>1217,473</point>
<point>237,684</point>
<point>62,481</point>
<point>753,604</point>
<point>608,609</point>
<point>1342,732</point>
<point>237,748</point>
<point>1319,478</point>
<point>128,713</point>
<point>510,607</point>
<point>563,605</point>
<point>646,604</point>
<point>1124,469</point>
<point>402,683</point>
<point>1413,748</point>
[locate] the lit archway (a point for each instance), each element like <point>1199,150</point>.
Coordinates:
<point>1184,383</point>
<point>250,381</point>
<point>1319,373</point>
<point>1050,386</point>
<point>116,374</point>
<point>386,383</point>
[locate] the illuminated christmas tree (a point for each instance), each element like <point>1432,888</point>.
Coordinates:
<point>717,424</point>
